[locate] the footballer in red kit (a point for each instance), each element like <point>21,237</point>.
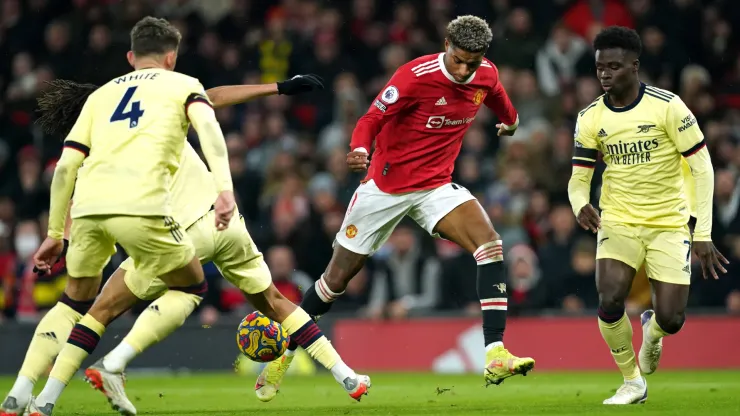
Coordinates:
<point>417,124</point>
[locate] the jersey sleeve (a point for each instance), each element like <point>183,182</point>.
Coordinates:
<point>196,94</point>
<point>682,128</point>
<point>76,149</point>
<point>585,154</point>
<point>80,137</point>
<point>499,102</point>
<point>397,95</point>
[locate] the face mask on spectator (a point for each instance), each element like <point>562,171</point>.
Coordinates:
<point>26,245</point>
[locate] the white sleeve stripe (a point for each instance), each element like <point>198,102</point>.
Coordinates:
<point>424,64</point>
<point>513,126</point>
<point>432,69</point>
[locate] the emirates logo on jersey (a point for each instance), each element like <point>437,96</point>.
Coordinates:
<point>478,97</point>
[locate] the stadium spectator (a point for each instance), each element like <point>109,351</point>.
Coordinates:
<point>407,281</point>
<point>287,155</point>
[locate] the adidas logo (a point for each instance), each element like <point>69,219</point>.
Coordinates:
<point>687,269</point>
<point>441,101</point>
<point>48,335</point>
<point>602,133</point>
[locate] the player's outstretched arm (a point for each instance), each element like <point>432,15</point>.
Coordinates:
<point>236,94</point>
<point>201,115</point>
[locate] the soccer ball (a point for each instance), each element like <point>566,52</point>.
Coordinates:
<point>260,338</point>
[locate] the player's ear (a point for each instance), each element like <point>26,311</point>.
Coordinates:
<point>447,44</point>
<point>636,65</point>
<point>170,59</point>
<point>130,58</point>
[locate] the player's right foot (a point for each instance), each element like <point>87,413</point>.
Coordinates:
<point>268,382</point>
<point>112,385</point>
<point>649,356</point>
<point>13,407</point>
<point>357,387</point>
<point>35,410</point>
<point>502,364</point>
<point>630,393</point>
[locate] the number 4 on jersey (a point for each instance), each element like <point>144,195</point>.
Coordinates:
<point>132,115</point>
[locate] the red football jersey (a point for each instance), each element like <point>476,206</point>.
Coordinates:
<point>419,119</point>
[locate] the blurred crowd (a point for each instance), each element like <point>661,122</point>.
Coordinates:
<point>287,154</point>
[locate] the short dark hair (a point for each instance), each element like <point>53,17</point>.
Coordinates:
<point>469,33</point>
<point>152,36</point>
<point>618,37</point>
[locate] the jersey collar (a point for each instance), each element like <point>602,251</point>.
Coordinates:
<point>441,59</point>
<point>628,107</point>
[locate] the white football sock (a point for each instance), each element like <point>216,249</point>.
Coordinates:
<point>52,390</point>
<point>341,371</point>
<point>22,389</point>
<point>493,345</point>
<point>117,360</point>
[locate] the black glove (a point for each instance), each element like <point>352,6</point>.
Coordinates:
<point>300,84</point>
<point>61,255</point>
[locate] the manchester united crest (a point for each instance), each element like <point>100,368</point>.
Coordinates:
<point>478,97</point>
<point>351,231</point>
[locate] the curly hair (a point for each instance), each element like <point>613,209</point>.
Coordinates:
<point>60,104</point>
<point>618,37</point>
<point>152,36</point>
<point>469,33</point>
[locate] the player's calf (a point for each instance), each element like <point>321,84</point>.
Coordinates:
<point>49,338</point>
<point>319,298</point>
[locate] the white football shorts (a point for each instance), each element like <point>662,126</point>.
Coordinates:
<point>373,214</point>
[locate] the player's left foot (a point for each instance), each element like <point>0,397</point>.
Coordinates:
<point>650,351</point>
<point>357,387</point>
<point>35,410</point>
<point>631,392</point>
<point>14,407</point>
<point>502,364</point>
<point>112,385</point>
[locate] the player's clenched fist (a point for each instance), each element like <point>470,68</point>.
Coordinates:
<point>357,161</point>
<point>589,218</point>
<point>224,208</point>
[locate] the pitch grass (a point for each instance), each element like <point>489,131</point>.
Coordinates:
<point>671,393</point>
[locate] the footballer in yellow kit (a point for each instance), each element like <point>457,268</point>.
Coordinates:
<point>119,159</point>
<point>232,250</point>
<point>658,176</point>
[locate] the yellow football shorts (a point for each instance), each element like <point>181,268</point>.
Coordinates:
<point>231,250</point>
<point>666,251</point>
<point>156,244</point>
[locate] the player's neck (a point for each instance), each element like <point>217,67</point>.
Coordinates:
<point>626,98</point>
<point>148,63</point>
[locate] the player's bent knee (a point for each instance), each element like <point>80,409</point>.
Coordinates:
<point>82,288</point>
<point>670,322</point>
<point>611,303</point>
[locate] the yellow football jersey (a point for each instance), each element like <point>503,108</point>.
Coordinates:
<point>132,131</point>
<point>643,145</point>
<point>193,189</point>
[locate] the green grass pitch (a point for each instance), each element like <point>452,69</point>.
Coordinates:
<point>670,393</point>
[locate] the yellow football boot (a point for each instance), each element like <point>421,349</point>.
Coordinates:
<point>502,364</point>
<point>268,382</point>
